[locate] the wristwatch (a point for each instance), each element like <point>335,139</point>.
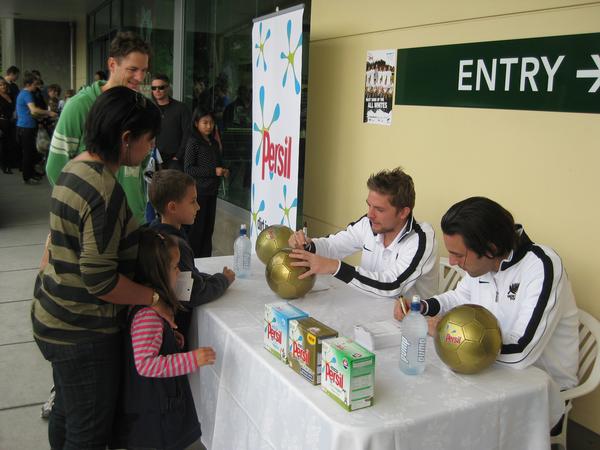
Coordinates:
<point>155,298</point>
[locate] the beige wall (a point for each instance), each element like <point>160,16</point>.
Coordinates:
<point>80,52</point>
<point>542,166</point>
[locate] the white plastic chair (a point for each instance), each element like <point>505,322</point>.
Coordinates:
<point>449,275</point>
<point>589,368</point>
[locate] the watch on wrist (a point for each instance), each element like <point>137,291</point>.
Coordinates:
<point>155,298</point>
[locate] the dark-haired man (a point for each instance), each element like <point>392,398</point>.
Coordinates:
<point>127,63</point>
<point>12,75</point>
<point>523,284</point>
<point>399,254</point>
<point>176,124</point>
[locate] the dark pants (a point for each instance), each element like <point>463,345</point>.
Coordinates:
<point>200,234</point>
<point>5,147</point>
<point>26,139</point>
<point>86,381</point>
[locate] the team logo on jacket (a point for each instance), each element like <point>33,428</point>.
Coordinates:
<point>512,291</point>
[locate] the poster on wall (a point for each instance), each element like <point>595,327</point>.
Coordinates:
<point>276,83</point>
<point>379,86</point>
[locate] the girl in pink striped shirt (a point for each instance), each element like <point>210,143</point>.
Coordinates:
<point>157,409</point>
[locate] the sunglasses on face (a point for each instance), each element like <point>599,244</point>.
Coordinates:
<point>162,87</point>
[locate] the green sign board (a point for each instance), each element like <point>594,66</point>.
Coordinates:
<point>559,73</point>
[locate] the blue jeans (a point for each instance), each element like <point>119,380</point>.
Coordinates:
<point>86,381</point>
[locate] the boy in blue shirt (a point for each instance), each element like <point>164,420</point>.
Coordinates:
<point>173,196</point>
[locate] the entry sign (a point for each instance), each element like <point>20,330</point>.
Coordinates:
<point>560,73</point>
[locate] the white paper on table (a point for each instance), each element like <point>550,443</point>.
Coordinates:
<point>183,289</point>
<point>377,335</point>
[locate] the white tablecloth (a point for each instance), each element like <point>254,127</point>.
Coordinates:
<point>251,400</point>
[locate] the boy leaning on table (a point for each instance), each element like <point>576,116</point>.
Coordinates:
<point>173,195</point>
<point>522,283</point>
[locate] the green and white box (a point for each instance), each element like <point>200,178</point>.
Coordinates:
<point>277,319</point>
<point>305,346</point>
<point>348,373</point>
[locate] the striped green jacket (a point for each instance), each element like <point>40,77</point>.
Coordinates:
<point>93,238</point>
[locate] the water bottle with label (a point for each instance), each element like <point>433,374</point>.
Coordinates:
<point>241,254</point>
<point>414,340</point>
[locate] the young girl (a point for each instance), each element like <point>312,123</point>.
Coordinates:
<point>157,409</point>
<point>203,161</point>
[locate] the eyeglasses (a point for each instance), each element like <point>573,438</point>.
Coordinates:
<point>162,87</point>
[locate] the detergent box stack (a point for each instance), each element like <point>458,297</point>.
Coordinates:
<point>348,373</point>
<point>277,320</point>
<point>304,347</point>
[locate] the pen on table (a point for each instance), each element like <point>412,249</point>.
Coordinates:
<point>403,305</point>
<point>305,231</point>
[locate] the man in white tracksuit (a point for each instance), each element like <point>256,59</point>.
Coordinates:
<point>399,254</point>
<point>523,284</point>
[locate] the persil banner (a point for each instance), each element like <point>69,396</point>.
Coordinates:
<point>276,80</point>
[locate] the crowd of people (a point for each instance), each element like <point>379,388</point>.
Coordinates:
<point>133,203</point>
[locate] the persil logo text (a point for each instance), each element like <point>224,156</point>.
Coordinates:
<point>453,339</point>
<point>331,374</point>
<point>277,158</point>
<point>274,335</point>
<point>300,353</point>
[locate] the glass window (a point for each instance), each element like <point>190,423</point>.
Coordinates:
<point>218,77</point>
<point>102,21</point>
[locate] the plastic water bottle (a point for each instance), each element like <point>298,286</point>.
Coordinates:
<point>241,254</point>
<point>414,340</point>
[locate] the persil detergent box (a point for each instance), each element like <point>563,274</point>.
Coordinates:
<point>348,373</point>
<point>277,318</point>
<point>304,347</point>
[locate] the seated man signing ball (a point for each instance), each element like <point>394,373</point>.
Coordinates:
<point>523,284</point>
<point>399,254</point>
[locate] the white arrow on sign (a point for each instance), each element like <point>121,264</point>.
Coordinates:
<point>593,73</point>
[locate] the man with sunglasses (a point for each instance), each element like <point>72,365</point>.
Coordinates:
<point>522,283</point>
<point>176,122</point>
<point>127,64</point>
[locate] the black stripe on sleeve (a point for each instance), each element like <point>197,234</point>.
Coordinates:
<point>64,211</point>
<point>76,320</point>
<point>540,306</point>
<point>65,240</point>
<point>391,285</point>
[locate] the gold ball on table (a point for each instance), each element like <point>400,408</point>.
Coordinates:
<point>271,240</point>
<point>282,277</point>
<point>468,338</point>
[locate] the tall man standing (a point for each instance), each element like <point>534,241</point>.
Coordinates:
<point>12,75</point>
<point>523,284</point>
<point>127,64</point>
<point>176,123</point>
<point>399,254</point>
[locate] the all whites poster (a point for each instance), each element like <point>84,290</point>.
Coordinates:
<point>380,76</point>
<point>276,75</point>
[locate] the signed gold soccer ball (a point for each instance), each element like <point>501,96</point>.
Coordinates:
<point>468,338</point>
<point>282,277</point>
<point>271,240</point>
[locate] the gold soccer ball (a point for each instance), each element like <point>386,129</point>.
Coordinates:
<point>468,338</point>
<point>271,240</point>
<point>282,277</point>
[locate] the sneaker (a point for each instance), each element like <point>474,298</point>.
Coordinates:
<point>47,407</point>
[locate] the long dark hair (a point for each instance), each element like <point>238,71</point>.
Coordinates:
<point>153,264</point>
<point>116,111</point>
<point>486,227</point>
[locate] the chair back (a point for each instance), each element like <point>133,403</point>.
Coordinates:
<point>449,275</point>
<point>589,363</point>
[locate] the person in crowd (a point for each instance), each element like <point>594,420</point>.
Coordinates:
<point>155,365</point>
<point>204,162</point>
<point>522,283</point>
<point>173,195</point>
<point>61,103</point>
<point>399,254</point>
<point>27,126</point>
<point>100,75</point>
<point>7,108</point>
<point>239,112</point>
<point>128,63</point>
<point>198,96</point>
<point>85,277</point>
<point>54,91</point>
<point>41,92</point>
<point>176,124</point>
<point>12,76</point>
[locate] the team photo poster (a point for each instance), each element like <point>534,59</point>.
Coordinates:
<point>379,86</point>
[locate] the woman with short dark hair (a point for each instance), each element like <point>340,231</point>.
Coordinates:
<point>82,290</point>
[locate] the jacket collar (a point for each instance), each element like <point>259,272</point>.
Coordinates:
<point>524,244</point>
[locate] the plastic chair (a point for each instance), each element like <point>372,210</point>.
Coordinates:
<point>449,275</point>
<point>588,372</point>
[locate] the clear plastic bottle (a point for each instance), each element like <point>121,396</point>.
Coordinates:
<point>241,254</point>
<point>414,340</point>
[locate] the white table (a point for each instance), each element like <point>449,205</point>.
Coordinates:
<point>251,400</point>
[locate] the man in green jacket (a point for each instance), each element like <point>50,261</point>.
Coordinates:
<point>127,63</point>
